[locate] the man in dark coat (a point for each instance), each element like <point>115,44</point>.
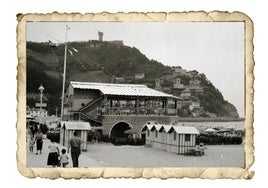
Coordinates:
<point>74,144</point>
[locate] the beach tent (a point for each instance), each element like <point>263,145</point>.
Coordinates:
<point>149,133</point>
<point>67,129</point>
<point>182,139</point>
<point>174,138</point>
<point>210,130</point>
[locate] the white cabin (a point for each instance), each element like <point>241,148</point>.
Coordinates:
<point>67,129</point>
<point>173,138</point>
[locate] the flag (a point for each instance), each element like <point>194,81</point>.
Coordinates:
<point>51,44</point>
<point>75,50</point>
<point>70,52</point>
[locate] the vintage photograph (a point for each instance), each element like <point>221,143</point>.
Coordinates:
<point>135,94</point>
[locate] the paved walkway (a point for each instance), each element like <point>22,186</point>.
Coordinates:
<point>40,160</point>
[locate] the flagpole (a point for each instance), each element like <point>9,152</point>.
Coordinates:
<point>64,74</point>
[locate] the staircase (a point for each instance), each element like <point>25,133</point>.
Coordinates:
<point>90,104</point>
<point>90,117</point>
<point>90,110</point>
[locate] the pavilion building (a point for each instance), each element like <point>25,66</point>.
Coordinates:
<point>116,108</point>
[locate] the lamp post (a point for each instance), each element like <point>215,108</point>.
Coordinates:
<point>64,74</point>
<point>41,89</point>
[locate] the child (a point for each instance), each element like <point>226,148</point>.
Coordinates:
<point>64,159</point>
<point>31,144</point>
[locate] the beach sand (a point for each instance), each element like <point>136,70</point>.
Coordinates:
<point>109,155</point>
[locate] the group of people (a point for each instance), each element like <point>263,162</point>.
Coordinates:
<point>37,138</point>
<point>55,157</point>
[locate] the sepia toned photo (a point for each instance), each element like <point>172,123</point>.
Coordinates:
<point>105,97</point>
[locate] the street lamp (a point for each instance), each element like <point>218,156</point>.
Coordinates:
<point>41,89</point>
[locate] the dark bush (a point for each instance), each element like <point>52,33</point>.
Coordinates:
<point>135,141</point>
<point>218,139</point>
<point>119,141</point>
<point>105,138</point>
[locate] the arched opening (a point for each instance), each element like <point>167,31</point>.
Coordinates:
<point>118,130</point>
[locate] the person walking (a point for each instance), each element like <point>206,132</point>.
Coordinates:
<point>39,141</point>
<point>53,156</point>
<point>31,144</point>
<point>74,144</point>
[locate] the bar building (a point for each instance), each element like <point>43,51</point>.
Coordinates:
<point>116,108</point>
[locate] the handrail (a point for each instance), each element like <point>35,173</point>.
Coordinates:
<point>90,104</point>
<point>90,117</point>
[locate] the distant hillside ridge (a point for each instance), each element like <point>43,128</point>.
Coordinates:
<point>95,61</point>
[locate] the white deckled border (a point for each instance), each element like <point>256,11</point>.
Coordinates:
<point>163,173</point>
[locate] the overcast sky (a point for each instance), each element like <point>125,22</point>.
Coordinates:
<point>215,49</point>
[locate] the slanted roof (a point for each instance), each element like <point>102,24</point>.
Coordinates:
<point>185,129</point>
<point>121,89</point>
<point>75,125</point>
<point>166,127</point>
<point>148,126</point>
<point>157,127</point>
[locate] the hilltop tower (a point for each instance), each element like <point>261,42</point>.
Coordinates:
<point>100,36</point>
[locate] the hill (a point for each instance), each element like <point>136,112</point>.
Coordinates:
<point>95,61</point>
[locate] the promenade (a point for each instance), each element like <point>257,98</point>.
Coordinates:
<point>40,160</point>
<point>109,155</point>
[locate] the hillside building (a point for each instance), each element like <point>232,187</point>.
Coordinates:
<point>194,82</point>
<point>158,84</point>
<point>192,74</point>
<point>35,112</point>
<point>186,93</point>
<point>195,88</point>
<point>179,70</point>
<point>178,84</point>
<point>139,76</point>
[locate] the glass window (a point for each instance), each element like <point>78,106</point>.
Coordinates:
<point>187,137</point>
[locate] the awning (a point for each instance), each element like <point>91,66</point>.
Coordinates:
<point>75,125</point>
<point>122,89</point>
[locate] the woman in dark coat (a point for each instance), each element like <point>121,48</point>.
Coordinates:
<point>39,141</point>
<point>53,156</point>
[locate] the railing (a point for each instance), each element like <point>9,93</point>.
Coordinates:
<point>90,117</point>
<point>91,103</point>
<point>138,111</point>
